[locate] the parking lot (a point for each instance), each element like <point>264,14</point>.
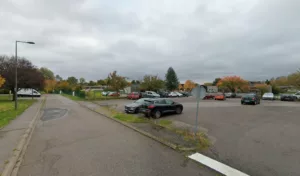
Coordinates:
<point>258,140</point>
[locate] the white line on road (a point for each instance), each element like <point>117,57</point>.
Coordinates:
<point>220,167</point>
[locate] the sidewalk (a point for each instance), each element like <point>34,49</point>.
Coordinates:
<point>10,135</point>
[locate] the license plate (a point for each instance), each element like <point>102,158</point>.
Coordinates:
<point>246,101</point>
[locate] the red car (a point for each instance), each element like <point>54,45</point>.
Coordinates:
<point>134,95</point>
<point>209,96</point>
<point>114,94</point>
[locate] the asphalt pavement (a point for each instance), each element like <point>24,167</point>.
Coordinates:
<point>71,140</point>
<point>257,140</point>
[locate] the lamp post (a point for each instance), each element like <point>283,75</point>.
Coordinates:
<point>16,72</point>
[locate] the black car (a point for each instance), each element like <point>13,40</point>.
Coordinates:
<point>163,94</point>
<point>135,106</point>
<point>288,97</point>
<point>157,107</point>
<point>250,99</point>
<point>185,94</point>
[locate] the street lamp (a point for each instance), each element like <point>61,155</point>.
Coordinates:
<point>16,76</point>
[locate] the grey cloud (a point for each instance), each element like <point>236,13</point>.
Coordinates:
<point>256,40</point>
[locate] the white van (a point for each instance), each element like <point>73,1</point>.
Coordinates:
<point>28,93</point>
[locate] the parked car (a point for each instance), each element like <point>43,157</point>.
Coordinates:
<point>209,96</point>
<point>114,94</point>
<point>135,106</point>
<point>175,94</point>
<point>220,96</point>
<point>28,93</point>
<point>230,95</point>
<point>268,96</point>
<point>297,95</point>
<point>288,97</point>
<point>157,107</point>
<point>163,94</point>
<point>134,95</point>
<point>185,94</point>
<point>105,93</point>
<point>250,99</point>
<point>150,94</point>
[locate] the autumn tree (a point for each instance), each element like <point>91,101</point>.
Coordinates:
<point>151,82</point>
<point>181,86</point>
<point>232,83</point>
<point>2,81</point>
<point>29,75</point>
<point>47,73</point>
<point>263,88</point>
<point>50,85</point>
<point>116,82</point>
<point>216,81</point>
<point>280,81</point>
<point>294,79</point>
<point>189,85</point>
<point>63,85</point>
<point>171,79</point>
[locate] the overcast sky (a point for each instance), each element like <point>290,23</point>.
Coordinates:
<point>201,40</point>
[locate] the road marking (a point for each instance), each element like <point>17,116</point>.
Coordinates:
<point>220,167</point>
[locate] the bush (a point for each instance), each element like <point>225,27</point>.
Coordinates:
<point>4,91</point>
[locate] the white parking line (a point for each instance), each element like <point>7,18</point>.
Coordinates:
<point>220,167</point>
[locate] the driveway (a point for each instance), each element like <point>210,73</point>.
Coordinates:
<point>71,140</point>
<point>258,140</point>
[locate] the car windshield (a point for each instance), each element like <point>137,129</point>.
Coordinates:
<point>140,101</point>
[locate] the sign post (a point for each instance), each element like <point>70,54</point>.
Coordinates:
<point>198,92</point>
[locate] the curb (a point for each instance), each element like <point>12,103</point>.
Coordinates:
<point>160,140</point>
<point>12,168</point>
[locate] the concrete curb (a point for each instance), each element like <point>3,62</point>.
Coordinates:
<point>15,161</point>
<point>162,141</point>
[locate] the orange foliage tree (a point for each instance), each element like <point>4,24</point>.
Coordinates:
<point>2,81</point>
<point>262,87</point>
<point>232,83</point>
<point>189,85</point>
<point>63,85</point>
<point>49,85</point>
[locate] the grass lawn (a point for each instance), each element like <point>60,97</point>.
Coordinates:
<point>5,97</point>
<point>75,98</point>
<point>130,118</point>
<point>8,112</point>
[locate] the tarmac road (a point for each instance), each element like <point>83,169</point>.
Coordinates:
<point>257,140</point>
<point>71,140</point>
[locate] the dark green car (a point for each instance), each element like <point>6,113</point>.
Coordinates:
<point>250,99</point>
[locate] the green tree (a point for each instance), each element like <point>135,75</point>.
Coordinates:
<point>72,80</point>
<point>116,82</point>
<point>101,82</point>
<point>47,73</point>
<point>153,83</point>
<point>133,82</point>
<point>29,76</point>
<point>92,83</point>
<point>81,81</point>
<point>171,79</point>
<point>58,78</point>
<point>216,81</point>
<point>267,82</point>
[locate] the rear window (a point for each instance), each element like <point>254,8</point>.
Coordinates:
<point>249,95</point>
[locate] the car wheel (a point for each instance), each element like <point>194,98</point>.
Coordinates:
<point>156,114</point>
<point>178,110</point>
